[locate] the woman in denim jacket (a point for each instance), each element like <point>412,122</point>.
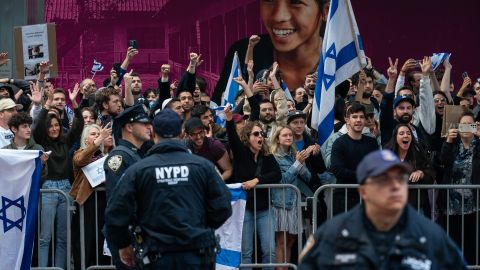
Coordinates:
<point>294,171</point>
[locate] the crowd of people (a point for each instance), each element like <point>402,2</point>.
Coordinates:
<point>265,137</point>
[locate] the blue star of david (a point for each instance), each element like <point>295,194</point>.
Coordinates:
<point>99,170</point>
<point>9,224</point>
<point>329,79</point>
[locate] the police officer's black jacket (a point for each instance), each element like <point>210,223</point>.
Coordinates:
<point>179,197</point>
<point>417,243</point>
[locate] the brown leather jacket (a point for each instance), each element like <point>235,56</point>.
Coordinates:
<point>81,188</point>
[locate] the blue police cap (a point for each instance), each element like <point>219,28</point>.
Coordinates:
<point>167,124</point>
<point>131,115</point>
<point>378,162</point>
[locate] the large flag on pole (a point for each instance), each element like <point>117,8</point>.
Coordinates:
<point>342,56</point>
<point>231,231</point>
<point>232,87</point>
<point>20,188</point>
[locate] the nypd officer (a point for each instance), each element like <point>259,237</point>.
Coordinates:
<point>132,128</point>
<point>383,232</point>
<point>180,200</point>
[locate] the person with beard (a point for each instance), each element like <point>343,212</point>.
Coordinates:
<point>476,109</point>
<point>409,151</point>
<point>109,103</point>
<point>253,164</point>
<point>401,107</point>
<point>136,86</point>
<point>347,152</point>
<point>200,144</point>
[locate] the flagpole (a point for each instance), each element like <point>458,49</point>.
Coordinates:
<point>94,74</point>
<point>350,19</point>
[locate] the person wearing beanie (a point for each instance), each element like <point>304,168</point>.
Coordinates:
<point>176,200</point>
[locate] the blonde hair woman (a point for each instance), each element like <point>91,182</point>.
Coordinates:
<point>93,142</point>
<point>294,171</point>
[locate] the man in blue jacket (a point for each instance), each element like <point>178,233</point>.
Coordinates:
<point>384,232</point>
<point>175,198</point>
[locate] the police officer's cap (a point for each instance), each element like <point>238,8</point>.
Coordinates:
<point>134,114</point>
<point>167,124</point>
<point>378,162</point>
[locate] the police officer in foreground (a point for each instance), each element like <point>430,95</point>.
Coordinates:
<point>131,129</point>
<point>180,199</point>
<point>384,232</point>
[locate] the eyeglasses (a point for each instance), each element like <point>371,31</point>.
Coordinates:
<point>385,179</point>
<point>438,100</point>
<point>258,133</point>
<point>407,95</point>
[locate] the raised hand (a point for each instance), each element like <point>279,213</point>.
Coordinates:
<point>240,81</point>
<point>128,77</point>
<point>253,40</point>
<point>45,67</point>
<point>228,112</point>
<point>165,69</point>
<point>447,63</point>
<point>409,64</point>
<point>274,70</point>
<point>36,94</point>
<point>131,52</point>
<point>362,77</point>
<point>195,59</point>
<point>369,63</point>
<point>73,94</point>
<point>466,82</point>
<point>392,69</point>
<point>426,65</point>
<point>3,58</point>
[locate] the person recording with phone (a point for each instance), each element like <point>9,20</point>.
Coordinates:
<point>461,159</point>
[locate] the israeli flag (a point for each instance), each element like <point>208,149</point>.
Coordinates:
<point>438,58</point>
<point>220,117</point>
<point>287,91</point>
<point>231,231</point>
<point>20,188</point>
<point>97,66</point>
<point>342,56</point>
<point>232,87</point>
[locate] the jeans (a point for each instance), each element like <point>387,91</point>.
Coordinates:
<point>265,225</point>
<point>54,208</point>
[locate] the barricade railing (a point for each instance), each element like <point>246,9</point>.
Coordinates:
<point>98,244</point>
<point>443,217</point>
<point>52,248</point>
<point>282,188</point>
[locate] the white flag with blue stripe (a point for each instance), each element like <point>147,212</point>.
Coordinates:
<point>231,231</point>
<point>96,67</point>
<point>20,187</point>
<point>232,87</point>
<point>438,58</point>
<point>341,57</point>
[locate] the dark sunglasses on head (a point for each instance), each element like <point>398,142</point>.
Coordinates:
<point>258,133</point>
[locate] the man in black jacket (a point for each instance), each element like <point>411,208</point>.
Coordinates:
<point>176,199</point>
<point>384,232</point>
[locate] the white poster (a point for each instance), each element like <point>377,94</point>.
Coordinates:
<point>95,172</point>
<point>6,70</point>
<point>35,48</point>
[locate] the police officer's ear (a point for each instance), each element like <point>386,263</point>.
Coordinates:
<point>129,127</point>
<point>361,192</point>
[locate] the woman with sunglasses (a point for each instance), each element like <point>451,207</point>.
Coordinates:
<point>253,164</point>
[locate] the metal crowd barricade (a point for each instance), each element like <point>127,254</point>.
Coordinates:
<point>68,212</point>
<point>272,264</point>
<point>433,203</point>
<point>98,245</point>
